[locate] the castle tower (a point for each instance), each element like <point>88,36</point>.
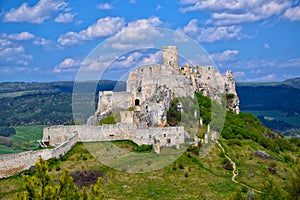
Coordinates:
<point>170,56</point>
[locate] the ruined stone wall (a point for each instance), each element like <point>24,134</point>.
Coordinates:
<point>109,100</point>
<point>167,136</point>
<point>65,137</point>
<point>11,164</point>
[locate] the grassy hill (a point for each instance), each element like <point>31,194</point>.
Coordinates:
<point>191,177</point>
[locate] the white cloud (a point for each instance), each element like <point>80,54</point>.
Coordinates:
<point>136,35</point>
<point>295,62</point>
<point>102,28</point>
<point>104,6</point>
<point>211,34</point>
<point>129,60</point>
<point>126,36</point>
<point>137,59</point>
<point>35,14</point>
<point>226,55</point>
<point>65,17</point>
<point>132,1</point>
<point>236,11</point>
<point>293,14</point>
<point>239,76</point>
<point>158,7</point>
<point>144,23</point>
<point>20,36</point>
<point>9,52</point>
<point>67,65</point>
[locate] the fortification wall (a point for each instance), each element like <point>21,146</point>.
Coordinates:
<point>109,100</point>
<point>11,164</point>
<point>87,133</point>
<point>168,136</point>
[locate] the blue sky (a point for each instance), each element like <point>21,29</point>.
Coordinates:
<point>47,40</point>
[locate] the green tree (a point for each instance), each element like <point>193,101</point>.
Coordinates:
<point>41,186</point>
<point>97,192</point>
<point>67,188</point>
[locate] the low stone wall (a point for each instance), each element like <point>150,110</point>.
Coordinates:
<point>65,137</point>
<point>11,164</point>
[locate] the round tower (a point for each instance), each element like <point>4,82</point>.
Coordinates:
<point>170,55</point>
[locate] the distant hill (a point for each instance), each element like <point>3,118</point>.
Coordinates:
<point>275,103</point>
<point>43,103</point>
<point>294,82</point>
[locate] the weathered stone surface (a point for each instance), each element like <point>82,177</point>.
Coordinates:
<point>262,154</point>
<point>150,89</point>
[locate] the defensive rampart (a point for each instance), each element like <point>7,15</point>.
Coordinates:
<point>11,164</point>
<point>65,137</point>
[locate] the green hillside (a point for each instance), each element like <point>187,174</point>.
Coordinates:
<point>191,177</point>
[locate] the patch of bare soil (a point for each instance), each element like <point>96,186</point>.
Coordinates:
<point>87,177</point>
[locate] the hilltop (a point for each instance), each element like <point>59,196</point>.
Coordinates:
<point>194,177</point>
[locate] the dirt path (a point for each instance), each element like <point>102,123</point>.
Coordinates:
<point>235,171</point>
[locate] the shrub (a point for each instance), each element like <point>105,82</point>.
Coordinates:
<point>108,120</point>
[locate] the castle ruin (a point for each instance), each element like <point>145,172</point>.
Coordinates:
<point>142,108</point>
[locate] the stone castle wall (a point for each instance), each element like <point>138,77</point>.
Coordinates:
<point>11,164</point>
<point>121,131</point>
<point>65,137</point>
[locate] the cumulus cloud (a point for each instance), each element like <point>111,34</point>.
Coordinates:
<point>38,13</point>
<point>20,36</point>
<point>293,14</point>
<point>137,59</point>
<point>236,11</point>
<point>102,28</point>
<point>136,35</point>
<point>10,49</point>
<point>226,55</point>
<point>67,65</point>
<point>108,26</point>
<point>212,33</point>
<point>104,6</point>
<point>65,17</point>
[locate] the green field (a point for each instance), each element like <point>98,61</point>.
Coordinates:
<point>25,137</point>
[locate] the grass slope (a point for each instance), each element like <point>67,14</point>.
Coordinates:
<point>189,177</point>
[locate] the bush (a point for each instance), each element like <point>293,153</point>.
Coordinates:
<point>143,148</point>
<point>108,120</point>
<point>131,108</point>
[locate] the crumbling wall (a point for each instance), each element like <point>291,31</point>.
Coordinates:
<point>11,164</point>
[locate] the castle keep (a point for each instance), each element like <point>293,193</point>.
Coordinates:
<point>142,108</point>
<point>151,88</point>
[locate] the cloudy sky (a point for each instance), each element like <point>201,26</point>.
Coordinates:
<point>47,40</point>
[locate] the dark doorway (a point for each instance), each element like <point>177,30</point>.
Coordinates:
<point>137,102</point>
